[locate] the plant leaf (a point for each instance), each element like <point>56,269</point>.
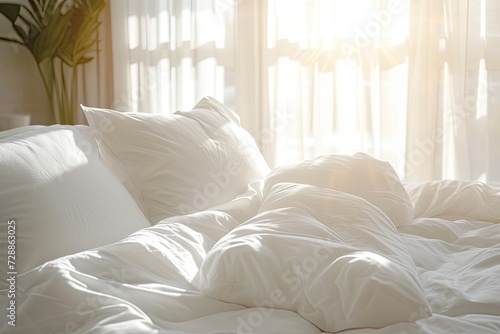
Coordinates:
<point>52,36</point>
<point>84,60</point>
<point>37,12</point>
<point>22,34</point>
<point>81,34</point>
<point>10,11</point>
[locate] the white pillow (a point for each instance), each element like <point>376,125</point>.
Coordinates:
<point>60,195</point>
<point>360,175</point>
<point>329,256</point>
<point>178,163</point>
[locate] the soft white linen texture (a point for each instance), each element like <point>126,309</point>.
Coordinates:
<point>145,283</point>
<point>360,175</point>
<point>178,163</point>
<point>332,257</point>
<point>456,199</point>
<point>148,282</point>
<point>61,194</point>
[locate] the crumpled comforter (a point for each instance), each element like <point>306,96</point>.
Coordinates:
<point>285,257</point>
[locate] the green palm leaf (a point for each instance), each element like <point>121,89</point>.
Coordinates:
<point>26,29</point>
<point>41,10</point>
<point>10,11</point>
<point>51,37</point>
<point>49,34</point>
<point>81,35</point>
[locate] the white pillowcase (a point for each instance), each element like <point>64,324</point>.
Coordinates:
<point>178,163</point>
<point>329,256</point>
<point>360,175</point>
<point>61,195</point>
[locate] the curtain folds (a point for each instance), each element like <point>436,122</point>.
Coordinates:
<point>410,82</point>
<point>169,54</point>
<point>95,78</point>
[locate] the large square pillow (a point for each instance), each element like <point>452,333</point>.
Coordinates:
<point>180,163</point>
<point>360,175</point>
<point>58,196</point>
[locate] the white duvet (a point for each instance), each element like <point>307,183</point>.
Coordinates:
<point>294,259</point>
<point>333,258</point>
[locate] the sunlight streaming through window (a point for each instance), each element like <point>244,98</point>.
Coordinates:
<point>185,29</point>
<point>133,32</point>
<point>314,77</point>
<point>163,27</point>
<point>134,83</point>
<point>351,16</point>
<point>482,91</point>
<point>151,37</point>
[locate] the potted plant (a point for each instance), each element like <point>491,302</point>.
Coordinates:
<point>59,34</point>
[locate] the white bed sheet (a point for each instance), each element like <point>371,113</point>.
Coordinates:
<point>148,282</point>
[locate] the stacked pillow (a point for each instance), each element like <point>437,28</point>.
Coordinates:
<point>72,188</point>
<point>359,175</point>
<point>180,163</point>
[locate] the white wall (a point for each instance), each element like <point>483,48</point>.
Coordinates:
<point>21,89</point>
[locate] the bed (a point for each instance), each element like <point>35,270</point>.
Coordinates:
<point>148,223</point>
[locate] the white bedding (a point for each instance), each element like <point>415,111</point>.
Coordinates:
<point>150,282</point>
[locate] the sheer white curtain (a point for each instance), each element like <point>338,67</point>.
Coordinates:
<point>471,80</point>
<point>410,82</point>
<point>169,54</point>
<point>453,111</point>
<point>336,76</point>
